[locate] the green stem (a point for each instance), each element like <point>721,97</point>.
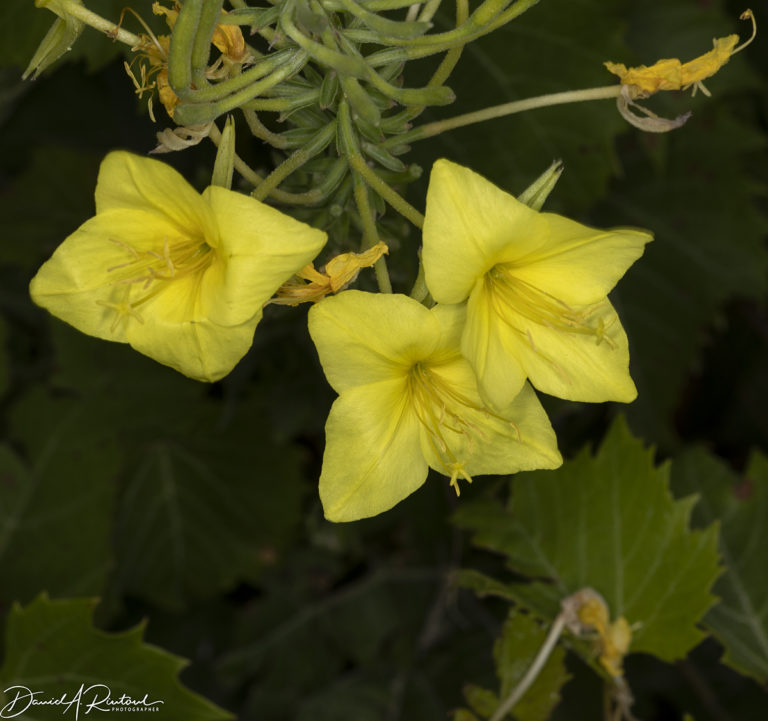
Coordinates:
<point>262,67</point>
<point>201,49</point>
<point>420,292</point>
<point>260,131</point>
<point>399,203</point>
<point>309,198</point>
<point>180,48</point>
<point>401,51</point>
<point>429,10</point>
<point>498,111</point>
<point>96,21</point>
<point>370,232</point>
<point>533,671</point>
<point>193,113</point>
<point>447,64</point>
<point>294,161</point>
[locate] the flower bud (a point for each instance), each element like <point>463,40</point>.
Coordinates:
<point>57,41</point>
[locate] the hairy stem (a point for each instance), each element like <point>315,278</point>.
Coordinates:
<point>96,21</point>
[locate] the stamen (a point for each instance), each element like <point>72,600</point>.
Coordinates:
<point>152,270</point>
<point>540,307</point>
<point>440,408</point>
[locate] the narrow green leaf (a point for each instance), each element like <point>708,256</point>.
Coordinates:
<point>610,523</point>
<point>52,648</point>
<point>740,620</point>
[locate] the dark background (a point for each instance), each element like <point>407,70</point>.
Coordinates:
<point>195,507</point>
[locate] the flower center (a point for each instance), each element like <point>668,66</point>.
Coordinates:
<point>443,412</point>
<point>540,307</point>
<point>147,272</point>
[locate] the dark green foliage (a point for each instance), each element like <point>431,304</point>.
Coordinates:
<point>47,636</point>
<point>740,620</point>
<point>193,509</point>
<point>609,523</point>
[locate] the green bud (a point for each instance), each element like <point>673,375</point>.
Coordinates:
<point>367,130</point>
<point>360,101</point>
<point>538,191</point>
<point>328,90</point>
<point>382,157</point>
<point>296,137</point>
<point>57,41</point>
<point>224,165</point>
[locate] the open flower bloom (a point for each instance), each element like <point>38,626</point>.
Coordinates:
<point>409,401</point>
<point>536,285</point>
<point>180,277</point>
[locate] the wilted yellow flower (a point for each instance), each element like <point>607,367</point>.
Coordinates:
<point>338,273</point>
<point>180,277</point>
<point>230,41</point>
<point>613,639</point>
<point>152,54</point>
<point>671,74</point>
<point>408,401</point>
<point>536,285</point>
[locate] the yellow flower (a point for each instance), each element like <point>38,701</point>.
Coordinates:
<point>338,273</point>
<point>536,285</point>
<point>180,277</point>
<point>409,401</point>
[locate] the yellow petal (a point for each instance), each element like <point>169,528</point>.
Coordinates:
<point>365,338</point>
<point>665,74</point>
<point>131,182</point>
<point>469,226</point>
<point>578,264</point>
<point>372,456</point>
<point>573,366</point>
<point>229,40</point>
<point>201,350</point>
<point>520,438</point>
<point>76,284</point>
<point>259,248</point>
<point>708,64</point>
<point>490,347</point>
